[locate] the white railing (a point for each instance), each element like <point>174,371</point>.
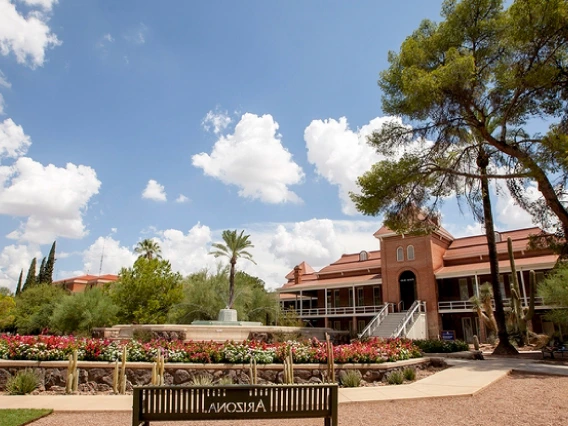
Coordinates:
<point>342,310</point>
<point>466,305</point>
<point>376,321</point>
<point>417,307</point>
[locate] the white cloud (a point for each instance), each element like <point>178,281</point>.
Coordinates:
<point>3,81</point>
<point>254,159</point>
<point>182,199</point>
<point>216,121</point>
<point>26,37</point>
<point>46,5</point>
<point>154,191</point>
<point>114,257</point>
<point>2,104</point>
<point>52,198</point>
<point>509,214</point>
<point>341,155</point>
<point>108,37</point>
<point>13,259</point>
<point>13,141</point>
<point>137,35</point>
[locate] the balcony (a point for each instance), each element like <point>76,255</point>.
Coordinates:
<point>455,306</point>
<point>343,311</point>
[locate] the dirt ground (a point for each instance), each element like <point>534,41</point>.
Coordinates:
<point>519,399</point>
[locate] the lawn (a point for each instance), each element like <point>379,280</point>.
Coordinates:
<point>19,417</point>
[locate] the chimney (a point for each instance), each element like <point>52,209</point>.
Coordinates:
<point>297,274</point>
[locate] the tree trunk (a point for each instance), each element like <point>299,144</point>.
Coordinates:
<point>231,284</point>
<point>504,347</point>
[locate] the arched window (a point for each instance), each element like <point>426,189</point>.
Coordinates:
<point>410,252</point>
<point>399,254</point>
<point>363,256</point>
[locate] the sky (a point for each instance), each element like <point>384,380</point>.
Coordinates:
<point>132,119</point>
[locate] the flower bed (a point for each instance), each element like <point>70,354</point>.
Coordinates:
<point>56,348</point>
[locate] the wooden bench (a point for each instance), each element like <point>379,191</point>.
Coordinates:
<point>234,402</point>
<point>551,350</point>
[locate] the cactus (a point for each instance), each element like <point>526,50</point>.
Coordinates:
<point>289,368</point>
<point>520,316</point>
<point>158,368</point>
<point>330,360</point>
<point>253,372</point>
<point>72,376</point>
<point>115,378</point>
<point>119,375</point>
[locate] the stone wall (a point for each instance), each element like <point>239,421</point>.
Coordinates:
<point>97,376</point>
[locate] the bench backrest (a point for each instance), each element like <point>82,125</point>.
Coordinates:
<point>229,402</point>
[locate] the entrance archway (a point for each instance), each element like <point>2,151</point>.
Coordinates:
<point>407,285</point>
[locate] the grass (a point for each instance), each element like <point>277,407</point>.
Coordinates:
<point>20,417</point>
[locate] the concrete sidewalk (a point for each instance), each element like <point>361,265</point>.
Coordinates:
<point>462,379</point>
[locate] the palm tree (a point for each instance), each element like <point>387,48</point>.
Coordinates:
<point>235,247</point>
<point>149,249</point>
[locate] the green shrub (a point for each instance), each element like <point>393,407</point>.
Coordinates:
<point>225,380</point>
<point>441,346</point>
<point>409,374</point>
<point>395,378</point>
<point>142,335</point>
<point>24,382</point>
<point>350,378</point>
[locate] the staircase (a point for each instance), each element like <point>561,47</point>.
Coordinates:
<point>388,325</point>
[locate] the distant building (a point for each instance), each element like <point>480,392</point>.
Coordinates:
<point>437,271</point>
<point>83,282</point>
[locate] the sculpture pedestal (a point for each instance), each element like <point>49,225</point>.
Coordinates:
<point>227,315</point>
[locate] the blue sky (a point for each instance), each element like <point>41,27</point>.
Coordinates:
<point>176,120</point>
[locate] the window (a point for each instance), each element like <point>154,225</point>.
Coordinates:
<point>464,290</point>
<point>351,291</point>
<point>329,299</point>
<point>363,256</point>
<point>502,287</point>
<point>360,326</point>
<point>410,252</point>
<point>377,296</point>
<point>360,297</point>
<point>399,254</point>
<point>336,301</point>
<point>337,325</point>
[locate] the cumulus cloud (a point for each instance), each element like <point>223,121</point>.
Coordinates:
<point>254,159</point>
<point>13,259</point>
<point>216,121</point>
<point>27,37</point>
<point>340,155</point>
<point>154,191</point>
<point>182,199</point>
<point>13,141</point>
<point>52,198</point>
<point>114,257</point>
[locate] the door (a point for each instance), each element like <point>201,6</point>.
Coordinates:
<point>467,327</point>
<point>407,284</point>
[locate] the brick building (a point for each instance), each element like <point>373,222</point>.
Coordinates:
<point>438,272</point>
<point>83,282</point>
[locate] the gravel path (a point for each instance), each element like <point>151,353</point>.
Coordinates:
<point>519,399</point>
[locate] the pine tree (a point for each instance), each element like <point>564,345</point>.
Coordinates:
<point>31,277</point>
<point>50,265</point>
<point>19,286</point>
<point>41,275</point>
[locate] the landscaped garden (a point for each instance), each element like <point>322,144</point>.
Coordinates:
<point>57,348</point>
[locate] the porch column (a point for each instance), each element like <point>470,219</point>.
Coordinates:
<point>476,285</point>
<point>301,303</point>
<point>353,300</point>
<point>296,302</point>
<point>325,303</point>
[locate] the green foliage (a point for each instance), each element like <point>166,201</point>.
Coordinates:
<point>235,247</point>
<point>441,346</point>
<point>395,377</point>
<point>472,84</point>
<point>7,311</point>
<point>202,379</point>
<point>41,278</point>
<point>24,382</point>
<point>21,416</point>
<point>206,293</point>
<point>79,313</point>
<point>409,374</point>
<point>146,292</point>
<point>35,306</point>
<point>31,277</point>
<point>48,272</point>
<point>350,378</point>
<point>19,285</point>
<point>148,249</point>
<point>225,380</point>
<point>554,291</point>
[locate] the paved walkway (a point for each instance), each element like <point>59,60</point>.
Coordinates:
<point>462,379</point>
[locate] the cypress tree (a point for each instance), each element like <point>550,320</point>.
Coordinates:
<point>49,265</point>
<point>31,277</point>
<point>41,275</point>
<point>19,286</point>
